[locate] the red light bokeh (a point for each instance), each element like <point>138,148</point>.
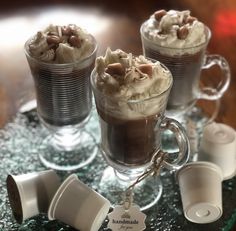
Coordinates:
<point>224,24</point>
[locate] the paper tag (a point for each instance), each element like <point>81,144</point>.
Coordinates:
<point>125,220</point>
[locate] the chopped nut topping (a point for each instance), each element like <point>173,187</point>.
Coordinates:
<point>66,30</point>
<point>115,69</point>
<point>146,69</point>
<point>53,39</point>
<point>52,33</point>
<point>190,19</point>
<point>74,41</point>
<point>159,14</point>
<point>182,32</point>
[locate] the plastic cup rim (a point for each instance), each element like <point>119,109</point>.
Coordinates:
<point>58,194</point>
<point>20,190</point>
<point>200,164</point>
<point>100,212</point>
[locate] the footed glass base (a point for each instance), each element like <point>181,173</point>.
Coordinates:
<point>145,194</point>
<point>70,153</point>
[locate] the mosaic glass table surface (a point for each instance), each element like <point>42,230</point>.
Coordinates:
<point>18,140</point>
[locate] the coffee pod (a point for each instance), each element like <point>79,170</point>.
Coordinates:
<point>30,194</point>
<point>78,205</point>
<point>201,191</point>
<point>218,145</point>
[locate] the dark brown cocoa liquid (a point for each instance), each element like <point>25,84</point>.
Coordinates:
<point>131,141</point>
<point>62,98</point>
<point>186,70</point>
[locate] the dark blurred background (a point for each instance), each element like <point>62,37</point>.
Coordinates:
<point>130,7</point>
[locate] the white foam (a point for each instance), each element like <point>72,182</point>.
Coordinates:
<point>168,40</point>
<point>135,94</point>
<point>65,53</point>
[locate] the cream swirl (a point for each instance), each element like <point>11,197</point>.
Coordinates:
<point>61,44</point>
<point>130,82</point>
<point>175,29</point>
<point>128,77</point>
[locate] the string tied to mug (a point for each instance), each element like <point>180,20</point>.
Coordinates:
<point>153,170</point>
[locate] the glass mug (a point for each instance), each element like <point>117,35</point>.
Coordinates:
<point>64,103</point>
<point>129,144</point>
<point>186,65</point>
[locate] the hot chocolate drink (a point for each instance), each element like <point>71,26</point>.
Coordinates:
<point>63,98</point>
<point>178,40</point>
<point>130,142</point>
<point>131,95</point>
<point>61,59</point>
<point>186,69</point>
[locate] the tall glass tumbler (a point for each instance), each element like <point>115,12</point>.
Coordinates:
<point>64,103</point>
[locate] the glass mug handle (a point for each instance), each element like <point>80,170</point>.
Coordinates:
<point>182,140</point>
<point>209,93</point>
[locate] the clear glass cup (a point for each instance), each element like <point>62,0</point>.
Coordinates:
<point>64,103</point>
<point>129,144</point>
<point>186,65</point>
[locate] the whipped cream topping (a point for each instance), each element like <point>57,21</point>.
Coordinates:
<point>61,44</point>
<point>175,29</point>
<point>130,82</point>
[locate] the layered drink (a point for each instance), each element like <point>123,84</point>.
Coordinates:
<point>179,41</point>
<point>131,95</point>
<point>61,59</point>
